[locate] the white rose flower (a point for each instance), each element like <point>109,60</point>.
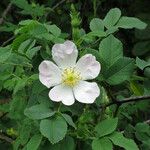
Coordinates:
<point>67,77</point>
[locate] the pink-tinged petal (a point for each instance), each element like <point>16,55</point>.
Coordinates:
<point>62,93</point>
<point>65,55</point>
<point>49,74</point>
<point>86,92</point>
<point>88,67</point>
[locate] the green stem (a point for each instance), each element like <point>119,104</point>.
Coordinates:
<point>94,7</point>
<point>60,104</point>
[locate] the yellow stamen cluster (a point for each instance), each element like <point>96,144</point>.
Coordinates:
<point>70,77</point>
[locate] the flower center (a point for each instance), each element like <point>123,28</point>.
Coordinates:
<point>70,77</point>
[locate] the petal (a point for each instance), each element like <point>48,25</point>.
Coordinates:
<point>86,92</point>
<point>88,67</point>
<point>65,55</point>
<point>62,93</point>
<point>49,74</point>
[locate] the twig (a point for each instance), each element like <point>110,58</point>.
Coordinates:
<point>132,99</point>
<point>53,8</point>
<point>59,3</point>
<point>127,100</point>
<point>5,13</point>
<point>6,42</point>
<point>3,115</point>
<point>6,138</point>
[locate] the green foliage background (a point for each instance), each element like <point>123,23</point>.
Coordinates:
<point>117,33</point>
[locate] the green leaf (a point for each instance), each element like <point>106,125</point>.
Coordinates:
<point>142,131</point>
<point>33,10</point>
<point>54,129</point>
<point>17,60</point>
<point>33,77</point>
<point>96,24</point>
<point>5,52</point>
<point>10,83</point>
<point>20,84</point>
<point>142,127</point>
<point>106,126</point>
<point>146,145</point>
<point>17,106</point>
<point>110,50</point>
<point>18,40</point>
<point>38,112</point>
<point>97,34</point>
<point>131,22</point>
<point>69,120</point>
<point>93,34</point>
<point>34,142</point>
<point>66,144</point>
<point>36,29</point>
<point>141,63</point>
<point>25,131</point>
<point>102,144</point>
<point>37,10</point>
<point>8,27</point>
<point>119,140</point>
<point>26,22</point>
<point>141,136</point>
<point>21,4</point>
<point>112,17</point>
<point>25,45</point>
<point>27,48</point>
<point>54,30</point>
<point>120,71</point>
<point>32,52</point>
<point>5,75</point>
<point>39,92</point>
<point>136,88</point>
